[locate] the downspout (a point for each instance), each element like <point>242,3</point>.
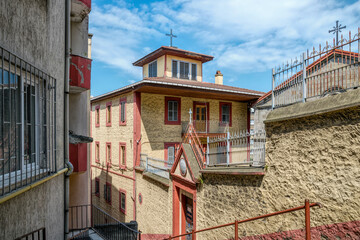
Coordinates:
<point>66,118</point>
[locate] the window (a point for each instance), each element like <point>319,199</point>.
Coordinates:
<point>193,71</point>
<point>108,154</point>
<point>153,69</point>
<point>27,124</point>
<point>184,70</point>
<point>108,114</point>
<point>122,111</point>
<point>175,69</point>
<point>122,155</point>
<point>225,114</point>
<point>97,116</point>
<point>97,152</point>
<point>172,111</point>
<point>122,201</point>
<point>169,151</point>
<point>107,192</point>
<point>97,187</point>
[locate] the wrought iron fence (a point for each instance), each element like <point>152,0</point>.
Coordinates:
<point>237,148</point>
<point>111,229</point>
<point>27,123</point>
<point>39,234</point>
<point>156,166</point>
<point>86,220</point>
<point>323,70</point>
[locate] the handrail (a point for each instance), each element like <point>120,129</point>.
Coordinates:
<point>307,207</point>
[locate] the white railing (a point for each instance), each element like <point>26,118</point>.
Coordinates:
<point>156,166</point>
<point>237,148</point>
<point>318,72</point>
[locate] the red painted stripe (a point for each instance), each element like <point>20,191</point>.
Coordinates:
<point>119,174</point>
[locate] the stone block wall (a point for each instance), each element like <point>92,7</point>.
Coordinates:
<point>314,157</point>
<point>155,132</point>
<point>154,214</point>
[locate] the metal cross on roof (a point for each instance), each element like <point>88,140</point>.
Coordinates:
<point>171,37</point>
<point>336,31</point>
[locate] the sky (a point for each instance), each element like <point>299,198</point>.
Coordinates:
<point>246,37</point>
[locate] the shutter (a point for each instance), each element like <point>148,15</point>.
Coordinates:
<point>193,71</point>
<point>174,69</point>
<point>187,70</point>
<point>122,111</point>
<point>182,70</point>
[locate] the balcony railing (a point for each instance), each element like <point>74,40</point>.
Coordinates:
<point>88,220</point>
<point>207,126</point>
<point>80,74</point>
<point>331,68</point>
<point>237,148</point>
<point>156,166</point>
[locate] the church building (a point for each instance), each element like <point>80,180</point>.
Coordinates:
<point>151,141</point>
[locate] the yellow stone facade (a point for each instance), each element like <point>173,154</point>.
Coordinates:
<point>114,134</point>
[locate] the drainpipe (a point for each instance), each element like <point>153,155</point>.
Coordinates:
<point>66,118</point>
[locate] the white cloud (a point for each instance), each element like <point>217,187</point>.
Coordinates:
<point>245,36</point>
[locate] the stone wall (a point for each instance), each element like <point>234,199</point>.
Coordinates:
<point>154,214</point>
<point>34,31</point>
<point>314,157</point>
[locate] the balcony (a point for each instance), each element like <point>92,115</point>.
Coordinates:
<point>80,9</point>
<point>78,156</point>
<point>80,74</point>
<point>78,151</point>
<point>207,128</point>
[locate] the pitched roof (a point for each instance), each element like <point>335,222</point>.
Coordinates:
<point>183,84</point>
<point>172,51</point>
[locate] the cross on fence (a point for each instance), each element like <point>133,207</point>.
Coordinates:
<point>336,31</point>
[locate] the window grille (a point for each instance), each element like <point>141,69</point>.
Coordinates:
<point>27,123</point>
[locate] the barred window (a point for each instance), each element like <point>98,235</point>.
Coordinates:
<point>107,192</point>
<point>27,123</point>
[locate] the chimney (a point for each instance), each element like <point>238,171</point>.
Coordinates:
<point>218,78</point>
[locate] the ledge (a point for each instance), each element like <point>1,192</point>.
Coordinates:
<point>326,104</point>
<point>157,178</point>
<point>246,171</point>
<point>140,169</point>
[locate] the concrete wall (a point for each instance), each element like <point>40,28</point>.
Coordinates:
<point>34,30</point>
<point>314,157</point>
<point>119,178</point>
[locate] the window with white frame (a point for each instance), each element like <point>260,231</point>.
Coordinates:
<point>153,69</point>
<point>27,123</point>
<point>184,70</point>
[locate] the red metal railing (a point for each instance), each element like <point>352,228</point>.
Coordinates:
<point>307,207</point>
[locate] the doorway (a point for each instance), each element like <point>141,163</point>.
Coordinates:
<point>201,116</point>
